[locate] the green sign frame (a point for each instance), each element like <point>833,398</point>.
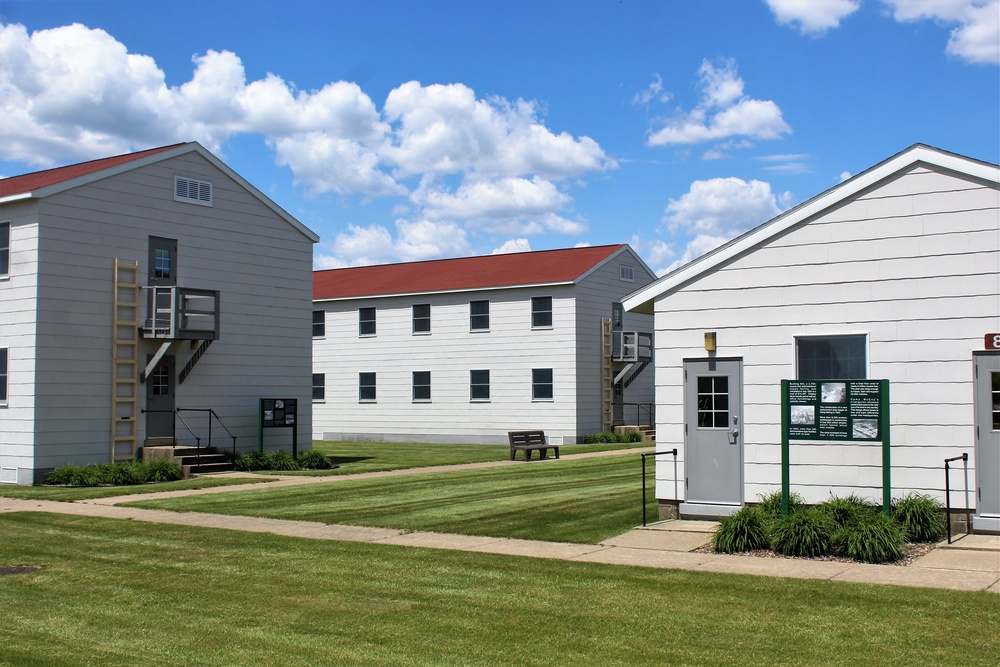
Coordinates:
<point>835,411</point>
<point>278,413</point>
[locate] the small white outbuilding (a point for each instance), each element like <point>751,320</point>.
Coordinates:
<point>892,275</point>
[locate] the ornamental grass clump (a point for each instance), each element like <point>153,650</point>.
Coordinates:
<point>314,460</point>
<point>920,517</point>
<point>848,511</point>
<point>283,461</point>
<point>874,539</point>
<point>807,533</point>
<point>162,470</point>
<point>770,504</point>
<point>746,530</point>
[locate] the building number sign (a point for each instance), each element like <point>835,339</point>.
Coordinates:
<point>993,341</point>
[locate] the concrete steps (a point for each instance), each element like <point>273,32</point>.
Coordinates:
<point>188,458</point>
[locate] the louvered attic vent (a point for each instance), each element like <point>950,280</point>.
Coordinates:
<point>192,191</point>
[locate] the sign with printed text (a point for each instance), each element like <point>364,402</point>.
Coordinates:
<point>278,412</point>
<point>834,409</point>
<point>993,341</point>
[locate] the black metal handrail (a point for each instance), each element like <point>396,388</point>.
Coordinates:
<point>212,415</point>
<point>173,430</point>
<point>648,408</point>
<point>654,455</point>
<point>947,492</point>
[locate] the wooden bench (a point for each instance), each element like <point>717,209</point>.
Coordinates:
<point>529,441</point>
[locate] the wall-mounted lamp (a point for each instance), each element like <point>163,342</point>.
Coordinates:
<point>710,341</point>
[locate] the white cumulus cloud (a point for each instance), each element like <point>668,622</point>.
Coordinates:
<point>716,210</point>
<point>724,111</point>
<point>812,17</point>
<point>976,38</point>
<point>512,245</point>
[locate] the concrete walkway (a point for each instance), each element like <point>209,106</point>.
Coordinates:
<point>971,563</point>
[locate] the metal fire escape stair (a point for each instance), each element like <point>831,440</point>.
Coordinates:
<point>607,383</point>
<point>124,355</point>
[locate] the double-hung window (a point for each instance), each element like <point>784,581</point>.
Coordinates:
<point>541,384</point>
<point>319,386</point>
<point>832,357</point>
<point>319,323</point>
<point>366,321</point>
<point>541,312</point>
<point>479,385</point>
<point>479,315</point>
<point>421,386</point>
<point>422,318</point>
<point>4,249</point>
<point>366,387</point>
<point>3,376</point>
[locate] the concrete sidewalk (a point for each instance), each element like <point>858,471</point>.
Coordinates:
<point>971,563</point>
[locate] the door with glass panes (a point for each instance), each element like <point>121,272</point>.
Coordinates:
<point>713,401</point>
<point>987,423</point>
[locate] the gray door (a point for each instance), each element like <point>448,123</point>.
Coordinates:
<point>987,406</point>
<point>713,401</point>
<point>160,400</point>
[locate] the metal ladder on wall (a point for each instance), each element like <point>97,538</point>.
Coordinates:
<point>124,356</point>
<point>607,377</point>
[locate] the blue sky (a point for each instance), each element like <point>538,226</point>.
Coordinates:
<point>413,130</point>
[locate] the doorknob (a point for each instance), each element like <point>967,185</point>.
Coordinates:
<point>735,433</point>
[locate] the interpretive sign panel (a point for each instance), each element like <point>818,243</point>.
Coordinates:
<point>834,409</point>
<point>278,412</point>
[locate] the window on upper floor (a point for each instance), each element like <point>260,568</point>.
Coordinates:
<point>832,357</point>
<point>319,386</point>
<point>319,323</point>
<point>4,249</point>
<point>421,386</point>
<point>422,318</point>
<point>541,312</point>
<point>366,321</point>
<point>541,384</point>
<point>3,376</point>
<point>366,387</point>
<point>479,385</point>
<point>479,315</point>
<point>626,273</point>
<point>162,261</point>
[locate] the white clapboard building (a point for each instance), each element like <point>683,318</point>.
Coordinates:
<point>465,350</point>
<point>133,286</point>
<point>894,274</point>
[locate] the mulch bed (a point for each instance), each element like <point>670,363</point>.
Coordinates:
<point>19,569</point>
<point>911,552</point>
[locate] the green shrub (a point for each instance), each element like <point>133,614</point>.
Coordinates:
<point>875,539</point>
<point>162,470</point>
<point>848,511</point>
<point>770,504</point>
<point>122,474</point>
<point>631,435</point>
<point>314,460</point>
<point>599,438</point>
<point>87,475</point>
<point>283,461</point>
<point>920,517</point>
<point>805,532</point>
<point>746,530</point>
<point>63,475</point>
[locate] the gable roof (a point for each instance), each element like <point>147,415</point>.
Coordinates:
<point>39,184</point>
<point>642,299</point>
<point>541,267</point>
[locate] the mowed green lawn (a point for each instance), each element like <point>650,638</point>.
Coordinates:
<point>584,500</point>
<point>129,593</point>
<point>354,457</point>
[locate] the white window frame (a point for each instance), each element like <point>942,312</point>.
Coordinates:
<point>321,386</point>
<point>415,319</point>
<point>373,320</point>
<point>479,315</point>
<point>321,322</point>
<point>5,253</point>
<point>535,384</point>
<point>373,385</point>
<point>535,311</point>
<point>473,384</point>
<point>423,386</point>
<point>4,375</point>
<point>626,273</point>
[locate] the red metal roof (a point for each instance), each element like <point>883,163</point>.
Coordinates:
<point>441,275</point>
<point>16,185</point>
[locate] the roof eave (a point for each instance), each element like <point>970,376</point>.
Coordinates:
<point>642,299</point>
<point>434,292</point>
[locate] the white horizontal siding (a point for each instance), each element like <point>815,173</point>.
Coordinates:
<point>912,264</point>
